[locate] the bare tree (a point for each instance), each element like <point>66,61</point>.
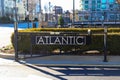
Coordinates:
<point>30,6</point>
<point>46,8</point>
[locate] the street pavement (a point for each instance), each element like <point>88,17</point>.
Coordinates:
<point>11,70</point>
<point>75,60</point>
<point>30,69</point>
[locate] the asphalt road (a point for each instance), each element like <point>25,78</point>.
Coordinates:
<point>28,71</point>
<point>80,72</point>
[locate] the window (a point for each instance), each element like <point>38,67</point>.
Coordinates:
<point>112,17</point>
<point>104,1</point>
<point>86,7</point>
<point>93,2</point>
<point>93,7</point>
<point>119,17</point>
<point>86,2</point>
<point>98,6</point>
<point>98,9</point>
<point>111,6</point>
<point>103,6</point>
<point>98,1</point>
<point>111,1</point>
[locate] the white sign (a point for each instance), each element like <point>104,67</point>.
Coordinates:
<point>60,40</point>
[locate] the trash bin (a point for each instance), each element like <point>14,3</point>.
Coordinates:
<point>34,25</point>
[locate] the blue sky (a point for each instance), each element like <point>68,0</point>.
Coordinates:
<point>65,4</point>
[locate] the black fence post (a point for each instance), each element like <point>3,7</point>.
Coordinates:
<point>105,44</point>
<point>89,37</point>
<point>15,31</point>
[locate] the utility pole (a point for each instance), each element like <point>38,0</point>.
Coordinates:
<point>40,5</point>
<point>49,12</point>
<point>28,13</point>
<point>40,14</point>
<point>27,5</point>
<point>73,11</point>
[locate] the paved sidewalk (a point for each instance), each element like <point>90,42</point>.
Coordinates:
<point>11,70</point>
<point>68,60</point>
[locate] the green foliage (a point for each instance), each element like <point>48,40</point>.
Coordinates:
<point>113,40</point>
<point>81,30</point>
<point>61,21</point>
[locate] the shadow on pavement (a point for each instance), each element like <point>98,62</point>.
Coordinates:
<point>47,72</point>
<point>66,71</point>
<point>87,71</point>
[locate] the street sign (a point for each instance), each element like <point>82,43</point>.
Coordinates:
<point>59,40</point>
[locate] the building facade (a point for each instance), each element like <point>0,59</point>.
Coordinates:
<point>98,10</point>
<point>1,8</point>
<point>7,8</point>
<point>24,8</point>
<point>57,11</point>
<point>20,10</point>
